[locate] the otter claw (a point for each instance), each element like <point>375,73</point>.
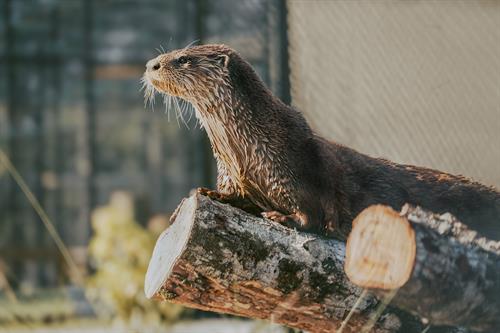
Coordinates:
<point>277,217</point>
<point>210,193</point>
<point>295,220</point>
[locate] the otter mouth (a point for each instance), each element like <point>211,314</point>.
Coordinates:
<point>149,88</point>
<point>152,85</point>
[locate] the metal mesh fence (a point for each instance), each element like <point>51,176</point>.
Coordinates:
<point>413,81</point>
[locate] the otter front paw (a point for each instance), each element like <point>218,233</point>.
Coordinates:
<point>231,199</point>
<point>295,220</point>
<point>212,194</point>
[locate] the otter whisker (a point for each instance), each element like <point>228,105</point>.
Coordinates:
<point>176,112</point>
<point>171,105</point>
<point>149,92</point>
<point>186,107</point>
<point>179,113</point>
<point>167,100</point>
<point>170,102</point>
<point>191,44</point>
<point>189,110</point>
<point>182,111</point>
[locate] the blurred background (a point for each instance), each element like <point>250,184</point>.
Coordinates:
<point>414,81</point>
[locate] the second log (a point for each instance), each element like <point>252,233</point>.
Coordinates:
<point>443,271</point>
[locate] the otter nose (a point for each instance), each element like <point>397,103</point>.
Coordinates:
<point>153,65</point>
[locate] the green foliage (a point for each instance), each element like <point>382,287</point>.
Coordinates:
<point>47,307</point>
<point>120,251</point>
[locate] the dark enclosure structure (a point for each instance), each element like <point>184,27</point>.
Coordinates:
<point>72,119</point>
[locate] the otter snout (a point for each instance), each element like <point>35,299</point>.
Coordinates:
<point>153,65</point>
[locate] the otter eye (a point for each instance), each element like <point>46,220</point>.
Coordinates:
<point>182,60</point>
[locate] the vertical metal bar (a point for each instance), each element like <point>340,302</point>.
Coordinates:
<point>10,87</point>
<point>267,17</point>
<point>56,109</point>
<point>283,52</point>
<point>88,131</point>
<point>34,231</point>
<point>57,151</point>
<point>9,56</point>
<point>4,135</point>
<point>12,201</point>
<point>39,135</point>
<point>276,49</point>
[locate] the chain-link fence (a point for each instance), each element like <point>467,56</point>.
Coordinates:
<point>417,82</point>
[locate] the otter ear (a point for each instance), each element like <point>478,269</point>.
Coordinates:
<point>222,59</point>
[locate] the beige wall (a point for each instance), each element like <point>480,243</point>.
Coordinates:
<point>413,81</point>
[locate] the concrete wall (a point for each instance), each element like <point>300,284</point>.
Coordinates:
<point>414,81</point>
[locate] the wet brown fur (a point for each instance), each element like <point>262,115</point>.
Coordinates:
<point>267,154</point>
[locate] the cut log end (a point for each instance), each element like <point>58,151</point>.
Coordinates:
<point>380,251</point>
<point>168,248</point>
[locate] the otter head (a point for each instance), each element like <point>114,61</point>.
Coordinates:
<point>195,74</point>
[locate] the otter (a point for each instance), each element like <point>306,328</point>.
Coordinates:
<point>270,160</point>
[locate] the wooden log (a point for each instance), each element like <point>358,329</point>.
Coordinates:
<point>444,271</point>
<point>219,258</point>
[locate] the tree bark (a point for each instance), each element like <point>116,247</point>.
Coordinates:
<point>445,272</point>
<point>219,258</point>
